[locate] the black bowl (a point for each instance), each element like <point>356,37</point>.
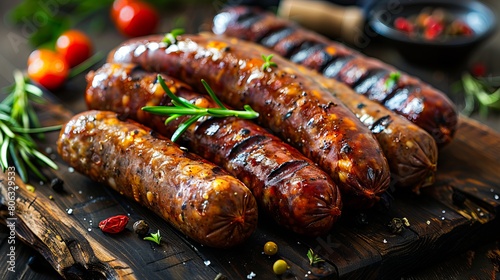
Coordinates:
<point>452,50</point>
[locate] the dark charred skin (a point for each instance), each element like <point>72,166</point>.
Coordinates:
<point>195,196</point>
<point>418,102</point>
<point>411,152</point>
<point>292,106</point>
<point>286,185</point>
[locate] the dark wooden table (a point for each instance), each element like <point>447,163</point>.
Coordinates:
<point>471,262</point>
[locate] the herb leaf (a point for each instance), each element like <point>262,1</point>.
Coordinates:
<point>392,80</point>
<point>171,37</point>
<point>155,237</point>
<point>267,62</point>
<point>313,257</point>
<point>482,92</point>
<point>182,107</point>
<point>18,120</point>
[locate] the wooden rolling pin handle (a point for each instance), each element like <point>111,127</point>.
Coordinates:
<point>335,21</point>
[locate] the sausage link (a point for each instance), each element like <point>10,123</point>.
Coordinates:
<point>195,196</point>
<point>290,105</point>
<point>411,152</point>
<point>417,101</point>
<point>286,185</point>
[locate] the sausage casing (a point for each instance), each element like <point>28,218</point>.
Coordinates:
<point>292,106</point>
<point>411,152</point>
<point>195,196</point>
<point>286,185</point>
<point>417,101</point>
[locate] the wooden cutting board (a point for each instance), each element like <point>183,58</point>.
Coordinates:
<point>458,212</point>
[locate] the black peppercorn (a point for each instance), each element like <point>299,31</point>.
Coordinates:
<point>57,185</point>
<point>141,227</point>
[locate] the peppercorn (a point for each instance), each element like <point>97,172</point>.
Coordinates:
<point>57,185</point>
<point>141,227</point>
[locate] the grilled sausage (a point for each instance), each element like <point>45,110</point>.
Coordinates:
<point>287,186</point>
<point>417,101</point>
<point>290,105</point>
<point>195,196</point>
<point>411,151</point>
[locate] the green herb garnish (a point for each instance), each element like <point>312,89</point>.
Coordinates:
<point>171,37</point>
<point>480,92</point>
<point>267,62</point>
<point>313,257</point>
<point>182,107</point>
<point>155,237</point>
<point>18,120</point>
<point>392,80</point>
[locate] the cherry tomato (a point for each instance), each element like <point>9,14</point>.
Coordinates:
<point>137,19</point>
<point>75,46</point>
<point>116,7</point>
<point>48,68</point>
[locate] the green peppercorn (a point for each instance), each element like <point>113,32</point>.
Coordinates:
<point>141,227</point>
<point>280,267</point>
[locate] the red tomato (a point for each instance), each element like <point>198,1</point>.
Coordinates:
<point>116,7</point>
<point>48,68</point>
<point>75,46</point>
<point>137,18</point>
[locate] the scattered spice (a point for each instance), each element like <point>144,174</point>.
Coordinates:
<point>57,184</point>
<point>396,225</point>
<point>270,248</point>
<point>313,257</point>
<point>280,267</point>
<point>154,237</point>
<point>30,188</point>
<point>114,224</point>
<point>267,62</point>
<point>141,227</point>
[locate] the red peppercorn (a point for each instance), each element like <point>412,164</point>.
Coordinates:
<point>114,224</point>
<point>402,24</point>
<point>433,30</point>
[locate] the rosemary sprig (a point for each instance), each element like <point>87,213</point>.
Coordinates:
<point>267,62</point>
<point>154,237</point>
<point>183,107</point>
<point>313,257</point>
<point>392,80</point>
<point>171,37</point>
<point>18,121</point>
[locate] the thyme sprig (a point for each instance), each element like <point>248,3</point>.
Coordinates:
<point>18,121</point>
<point>267,62</point>
<point>183,107</point>
<point>313,257</point>
<point>154,237</point>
